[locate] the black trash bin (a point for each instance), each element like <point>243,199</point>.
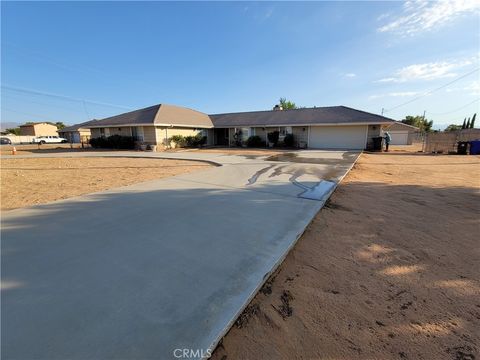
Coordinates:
<point>462,147</point>
<point>377,143</point>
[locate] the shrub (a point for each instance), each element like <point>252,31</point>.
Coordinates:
<point>100,142</point>
<point>273,137</point>
<point>121,142</point>
<point>113,142</point>
<point>255,141</point>
<point>288,140</point>
<point>179,140</point>
<point>189,141</point>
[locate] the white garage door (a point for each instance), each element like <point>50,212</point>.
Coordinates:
<point>337,137</point>
<point>399,138</point>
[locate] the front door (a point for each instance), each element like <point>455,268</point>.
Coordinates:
<point>221,136</point>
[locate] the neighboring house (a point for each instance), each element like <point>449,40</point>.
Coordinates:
<point>38,129</point>
<point>77,133</point>
<point>336,127</point>
<point>402,134</point>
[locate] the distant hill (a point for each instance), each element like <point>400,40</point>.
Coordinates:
<point>8,125</point>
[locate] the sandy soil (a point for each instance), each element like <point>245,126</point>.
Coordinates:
<point>389,269</point>
<point>45,148</point>
<point>55,148</point>
<point>27,182</point>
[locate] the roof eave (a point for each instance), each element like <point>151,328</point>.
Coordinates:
<point>307,124</point>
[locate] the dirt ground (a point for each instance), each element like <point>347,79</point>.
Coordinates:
<point>36,148</point>
<point>389,269</point>
<point>25,149</point>
<point>27,182</point>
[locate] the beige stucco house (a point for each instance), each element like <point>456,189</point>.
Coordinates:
<point>154,125</point>
<point>38,129</point>
<point>77,133</point>
<point>334,127</point>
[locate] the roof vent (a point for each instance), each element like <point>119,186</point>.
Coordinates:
<point>278,107</point>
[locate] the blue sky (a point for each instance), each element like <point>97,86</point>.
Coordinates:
<point>73,61</point>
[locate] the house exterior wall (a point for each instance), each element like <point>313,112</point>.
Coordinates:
<point>373,131</point>
<point>81,135</point>
<point>210,137</point>
<point>42,129</point>
<point>300,136</point>
<point>122,131</point>
<point>95,133</point>
<point>161,133</point>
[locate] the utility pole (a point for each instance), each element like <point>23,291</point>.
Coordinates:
<point>383,111</point>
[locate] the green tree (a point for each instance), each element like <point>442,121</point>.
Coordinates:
<point>419,121</point>
<point>15,131</point>
<point>464,123</point>
<point>453,127</point>
<point>472,124</point>
<point>468,124</point>
<point>287,104</point>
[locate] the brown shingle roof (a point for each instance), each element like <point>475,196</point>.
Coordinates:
<point>398,125</point>
<point>76,127</point>
<point>160,114</point>
<point>305,116</point>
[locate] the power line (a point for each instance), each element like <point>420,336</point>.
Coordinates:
<point>432,91</point>
<point>21,97</point>
<point>457,109</point>
<point>28,114</point>
<point>42,93</point>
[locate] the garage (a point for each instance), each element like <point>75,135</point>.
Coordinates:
<point>399,138</point>
<point>402,134</point>
<point>337,137</point>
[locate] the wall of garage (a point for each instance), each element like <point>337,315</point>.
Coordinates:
<point>400,137</point>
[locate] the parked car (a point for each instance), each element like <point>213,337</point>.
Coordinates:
<point>49,140</point>
<point>5,141</point>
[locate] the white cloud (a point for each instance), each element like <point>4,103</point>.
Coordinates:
<point>394,94</point>
<point>426,71</point>
<point>350,75</point>
<point>423,15</point>
<point>472,89</point>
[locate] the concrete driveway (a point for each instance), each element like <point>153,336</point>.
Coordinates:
<point>143,270</point>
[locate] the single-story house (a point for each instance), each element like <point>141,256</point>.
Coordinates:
<point>38,129</point>
<point>335,127</point>
<point>402,134</point>
<point>77,133</point>
<point>155,125</point>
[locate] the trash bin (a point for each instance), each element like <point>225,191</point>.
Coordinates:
<point>462,148</point>
<point>377,143</point>
<point>475,147</point>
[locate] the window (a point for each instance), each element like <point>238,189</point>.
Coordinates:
<point>137,133</point>
<point>284,130</point>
